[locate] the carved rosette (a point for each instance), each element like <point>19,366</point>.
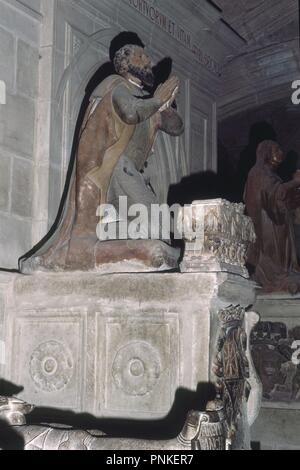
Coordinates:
<point>136,368</point>
<point>51,366</point>
<point>231,366</point>
<point>217,236</point>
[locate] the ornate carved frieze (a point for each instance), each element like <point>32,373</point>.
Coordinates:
<point>217,236</point>
<point>231,366</point>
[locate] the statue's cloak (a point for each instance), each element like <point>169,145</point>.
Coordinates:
<point>102,140</point>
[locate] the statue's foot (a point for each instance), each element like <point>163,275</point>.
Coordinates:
<point>135,256</point>
<point>112,256</point>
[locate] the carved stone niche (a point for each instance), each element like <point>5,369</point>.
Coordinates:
<point>217,235</point>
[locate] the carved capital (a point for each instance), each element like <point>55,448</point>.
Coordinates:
<point>217,236</point>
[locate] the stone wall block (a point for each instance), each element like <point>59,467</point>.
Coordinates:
<point>7,58</point>
<point>22,187</point>
<point>18,125</point>
<point>27,69</point>
<point>5,170</point>
<point>15,240</point>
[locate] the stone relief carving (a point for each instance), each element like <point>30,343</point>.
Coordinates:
<point>139,370</point>
<point>217,235</point>
<point>136,368</point>
<point>271,347</point>
<point>51,366</point>
<point>231,366</point>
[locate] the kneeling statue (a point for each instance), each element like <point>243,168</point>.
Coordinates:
<point>116,138</point>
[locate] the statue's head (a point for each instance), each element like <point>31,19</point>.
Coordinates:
<point>270,153</point>
<point>132,60</point>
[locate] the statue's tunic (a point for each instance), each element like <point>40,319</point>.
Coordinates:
<point>127,178</point>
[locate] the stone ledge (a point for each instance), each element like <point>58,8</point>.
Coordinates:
<point>279,305</point>
<point>146,287</point>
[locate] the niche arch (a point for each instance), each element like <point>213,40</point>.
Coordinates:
<point>87,55</point>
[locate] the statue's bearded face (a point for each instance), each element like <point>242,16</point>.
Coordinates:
<point>140,66</point>
<point>277,156</point>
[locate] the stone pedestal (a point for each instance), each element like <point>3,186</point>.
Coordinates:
<point>116,344</point>
<point>121,345</point>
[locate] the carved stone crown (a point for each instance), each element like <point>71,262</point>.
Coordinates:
<point>233,313</point>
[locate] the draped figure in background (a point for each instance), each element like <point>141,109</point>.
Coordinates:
<point>270,204</point>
